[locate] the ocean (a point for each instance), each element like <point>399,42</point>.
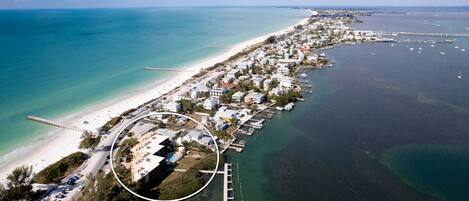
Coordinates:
<point>54,63</point>
<point>394,126</point>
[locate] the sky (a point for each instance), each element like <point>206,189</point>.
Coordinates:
<point>18,4</point>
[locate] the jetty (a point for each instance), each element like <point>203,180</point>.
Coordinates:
<point>53,123</point>
<point>168,69</point>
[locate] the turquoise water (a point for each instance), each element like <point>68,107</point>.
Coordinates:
<point>55,62</point>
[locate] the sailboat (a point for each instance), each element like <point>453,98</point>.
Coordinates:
<point>460,75</point>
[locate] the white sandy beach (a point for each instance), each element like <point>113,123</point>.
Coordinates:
<point>62,142</point>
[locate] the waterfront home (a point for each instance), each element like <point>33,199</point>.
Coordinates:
<point>284,81</point>
<point>226,114</point>
<point>238,96</point>
<point>276,91</point>
<point>217,92</point>
<point>221,125</point>
<point>172,106</point>
<point>211,103</point>
<point>199,136</point>
<point>254,97</point>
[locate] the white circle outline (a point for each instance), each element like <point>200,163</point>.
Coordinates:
<point>164,113</point>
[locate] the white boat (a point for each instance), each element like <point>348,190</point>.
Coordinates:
<point>373,54</point>
<point>460,75</point>
<point>432,45</point>
<point>463,50</point>
<point>279,108</point>
<point>392,45</point>
<point>420,52</point>
<point>456,47</point>
<point>442,53</point>
<point>411,49</point>
<point>303,75</point>
<point>289,106</point>
<point>420,48</point>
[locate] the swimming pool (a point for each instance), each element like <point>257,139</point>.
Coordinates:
<point>173,157</point>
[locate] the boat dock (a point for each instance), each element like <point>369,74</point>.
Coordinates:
<point>238,147</point>
<point>228,182</point>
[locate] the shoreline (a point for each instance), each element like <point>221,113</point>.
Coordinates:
<point>59,142</point>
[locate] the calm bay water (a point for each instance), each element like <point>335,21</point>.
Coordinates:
<point>55,62</point>
<point>332,146</point>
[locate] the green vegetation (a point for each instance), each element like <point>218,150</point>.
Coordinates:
<point>189,182</point>
<point>89,140</point>
<point>257,70</point>
<point>222,135</point>
<point>187,105</point>
<point>200,108</point>
<point>271,39</point>
<point>19,186</point>
<point>111,123</point>
<point>128,112</point>
<point>284,99</point>
<point>124,151</point>
<point>226,98</point>
<point>105,187</point>
<point>245,86</point>
<point>196,146</point>
<point>60,169</point>
<point>274,84</point>
<point>208,162</point>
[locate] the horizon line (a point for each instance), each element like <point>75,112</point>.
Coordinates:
<point>235,6</point>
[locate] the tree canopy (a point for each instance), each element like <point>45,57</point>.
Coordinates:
<point>18,186</point>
